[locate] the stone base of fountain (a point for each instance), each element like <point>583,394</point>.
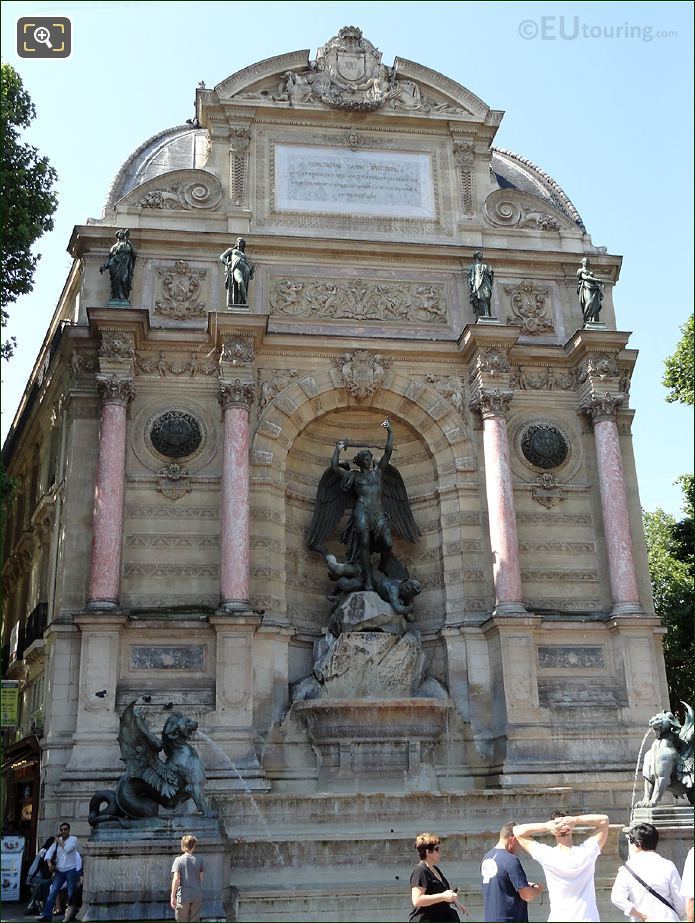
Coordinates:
<point>675,824</point>
<point>128,867</point>
<point>371,740</point>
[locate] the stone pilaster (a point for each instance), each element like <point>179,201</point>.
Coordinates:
<point>107,535</point>
<point>602,410</point>
<point>236,398</point>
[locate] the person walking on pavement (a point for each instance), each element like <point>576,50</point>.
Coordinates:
<point>63,854</point>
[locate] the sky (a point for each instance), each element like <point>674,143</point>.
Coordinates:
<point>597,94</point>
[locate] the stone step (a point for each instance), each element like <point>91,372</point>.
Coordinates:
<point>275,812</point>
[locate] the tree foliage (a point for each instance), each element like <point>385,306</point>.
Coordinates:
<point>680,371</point>
<point>26,194</point>
<point>670,550</point>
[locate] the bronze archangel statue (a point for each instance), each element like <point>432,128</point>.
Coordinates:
<point>380,507</point>
<point>149,782</point>
<point>668,764</point>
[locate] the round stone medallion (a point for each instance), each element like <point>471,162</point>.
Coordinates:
<point>544,445</point>
<point>175,434</point>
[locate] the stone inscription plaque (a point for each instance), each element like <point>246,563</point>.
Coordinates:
<point>185,657</point>
<point>331,180</point>
<point>565,657</point>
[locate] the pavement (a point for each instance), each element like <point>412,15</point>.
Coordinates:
<point>17,911</point>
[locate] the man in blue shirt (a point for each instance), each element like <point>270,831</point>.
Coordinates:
<point>506,889</point>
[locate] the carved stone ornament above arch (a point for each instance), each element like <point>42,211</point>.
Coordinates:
<point>348,74</point>
<point>509,208</point>
<point>180,190</point>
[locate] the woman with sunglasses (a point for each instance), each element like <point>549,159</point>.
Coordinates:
<point>433,899</point>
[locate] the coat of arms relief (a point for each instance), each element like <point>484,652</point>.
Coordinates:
<point>348,74</point>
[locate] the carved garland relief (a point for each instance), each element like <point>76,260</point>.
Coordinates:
<point>355,299</point>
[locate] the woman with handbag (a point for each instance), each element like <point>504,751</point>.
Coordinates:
<point>433,898</point>
<point>648,887</point>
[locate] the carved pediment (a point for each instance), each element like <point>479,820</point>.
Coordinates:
<point>180,190</point>
<point>348,74</point>
<point>510,208</point>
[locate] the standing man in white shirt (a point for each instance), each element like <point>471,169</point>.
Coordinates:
<point>688,885</point>
<point>569,869</point>
<point>648,887</point>
<point>64,854</point>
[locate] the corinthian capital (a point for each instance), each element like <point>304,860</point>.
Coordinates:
<point>236,393</point>
<point>602,408</point>
<point>115,390</point>
<point>491,402</point>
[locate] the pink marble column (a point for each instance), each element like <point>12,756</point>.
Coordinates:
<point>236,398</point>
<point>616,522</point>
<point>107,532</point>
<point>493,404</point>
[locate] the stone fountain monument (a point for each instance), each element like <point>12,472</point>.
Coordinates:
<point>368,706</point>
<point>132,845</point>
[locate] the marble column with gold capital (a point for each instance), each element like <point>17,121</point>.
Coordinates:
<point>616,523</point>
<point>107,533</point>
<point>236,398</point>
<point>493,404</point>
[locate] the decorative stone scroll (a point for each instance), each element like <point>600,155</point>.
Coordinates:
<point>356,299</point>
<point>529,304</point>
<point>183,190</point>
<point>362,373</point>
<point>510,208</point>
<point>181,286</point>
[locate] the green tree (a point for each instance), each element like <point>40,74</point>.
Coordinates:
<point>670,550</point>
<point>671,546</point>
<point>26,194</point>
<point>680,370</point>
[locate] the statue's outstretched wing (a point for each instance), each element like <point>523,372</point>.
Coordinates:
<point>397,505</point>
<point>140,753</point>
<point>330,504</point>
<point>686,732</point>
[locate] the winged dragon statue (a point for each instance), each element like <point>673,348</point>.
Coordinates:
<point>380,508</point>
<point>668,764</point>
<point>149,782</point>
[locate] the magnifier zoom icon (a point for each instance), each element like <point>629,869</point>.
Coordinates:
<point>43,36</point>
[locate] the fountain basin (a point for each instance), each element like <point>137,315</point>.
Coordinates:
<point>373,737</point>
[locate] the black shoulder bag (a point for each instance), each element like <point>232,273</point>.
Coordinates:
<point>651,890</point>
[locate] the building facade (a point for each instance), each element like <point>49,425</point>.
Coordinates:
<point>169,447</point>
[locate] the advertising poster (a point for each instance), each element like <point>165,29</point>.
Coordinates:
<point>11,867</point>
